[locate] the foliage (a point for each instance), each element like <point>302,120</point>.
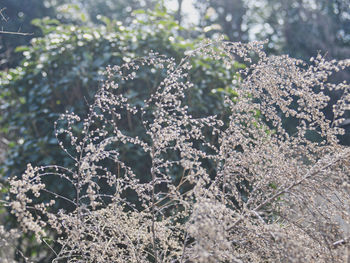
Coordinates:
<point>272,196</point>
<point>229,17</point>
<point>62,70</point>
<point>120,10</point>
<point>16,17</point>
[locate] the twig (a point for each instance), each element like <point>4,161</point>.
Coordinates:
<point>10,32</point>
<point>2,15</point>
<point>153,209</point>
<point>340,242</point>
<point>15,33</point>
<point>184,248</point>
<point>307,176</point>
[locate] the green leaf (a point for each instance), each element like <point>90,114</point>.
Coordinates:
<point>22,48</point>
<point>83,17</point>
<point>273,185</point>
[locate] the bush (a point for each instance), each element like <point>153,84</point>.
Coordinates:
<point>239,190</point>
<point>62,71</point>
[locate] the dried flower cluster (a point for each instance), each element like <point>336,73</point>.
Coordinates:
<point>243,190</point>
<point>8,238</point>
<point>7,241</point>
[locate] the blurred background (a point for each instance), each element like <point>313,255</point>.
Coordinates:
<point>53,60</point>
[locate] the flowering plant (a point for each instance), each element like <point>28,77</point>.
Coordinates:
<point>237,189</point>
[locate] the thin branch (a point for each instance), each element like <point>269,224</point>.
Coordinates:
<point>10,32</point>
<point>307,176</point>
<point>184,248</point>
<point>2,15</point>
<point>153,208</point>
<point>15,33</point>
<point>341,242</point>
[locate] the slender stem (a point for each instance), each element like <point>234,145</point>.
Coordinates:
<point>307,176</point>
<point>60,196</point>
<point>153,208</point>
<point>184,248</point>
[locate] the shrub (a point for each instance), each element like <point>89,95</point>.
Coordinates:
<point>61,71</point>
<point>240,190</point>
